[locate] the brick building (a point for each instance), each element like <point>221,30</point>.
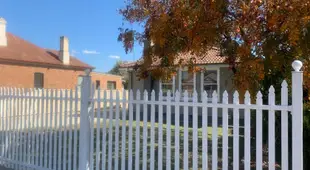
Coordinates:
<point>23,64</point>
<point>107,81</point>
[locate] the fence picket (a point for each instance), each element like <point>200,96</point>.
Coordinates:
<point>19,120</point>
<point>225,133</point>
<point>152,155</point>
<point>284,127</point>
<point>130,162</point>
<point>8,137</point>
<point>137,148</point>
<point>13,143</point>
<point>145,115</point>
<point>124,101</point>
<point>185,139</point>
<point>65,140</point>
<point>60,130</point>
<point>195,132</point>
<point>37,94</point>
<point>247,131</point>
<point>205,131</point>
<point>9,108</point>
<point>75,139</point>
<point>29,129</point>
<point>70,131</point>
<point>177,131</point>
<point>104,131</point>
<point>19,127</point>
<point>20,149</point>
<point>91,122</point>
<point>51,129</point>
<point>110,154</point>
<point>236,133</point>
<point>25,128</point>
<point>2,123</point>
<point>117,105</point>
<point>7,128</point>
<point>214,133</point>
<point>168,134</point>
<point>160,131</point>
<point>42,100</point>
<point>33,110</point>
<point>55,113</point>
<point>259,132</point>
<point>14,116</point>
<point>16,127</point>
<point>98,130</point>
<point>271,130</point>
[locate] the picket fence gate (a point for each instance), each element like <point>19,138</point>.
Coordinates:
<point>67,129</point>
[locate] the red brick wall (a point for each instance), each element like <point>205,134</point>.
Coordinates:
<point>23,76</point>
<point>104,78</point>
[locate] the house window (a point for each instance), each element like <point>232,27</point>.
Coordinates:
<point>80,80</point>
<point>38,80</point>
<point>97,84</point>
<point>187,82</point>
<point>111,85</point>
<point>166,85</point>
<point>210,81</point>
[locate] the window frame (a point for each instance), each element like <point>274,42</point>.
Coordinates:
<point>205,68</point>
<point>165,83</point>
<point>114,82</point>
<point>42,79</point>
<point>98,84</point>
<point>217,69</point>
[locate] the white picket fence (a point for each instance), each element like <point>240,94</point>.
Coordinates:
<point>65,129</point>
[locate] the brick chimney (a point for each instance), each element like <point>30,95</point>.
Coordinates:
<point>3,39</point>
<point>64,55</point>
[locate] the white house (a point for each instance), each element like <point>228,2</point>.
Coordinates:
<point>216,76</point>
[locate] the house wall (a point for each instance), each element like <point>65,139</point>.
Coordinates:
<point>134,82</point>
<point>23,76</point>
<point>225,82</point>
<point>104,78</point>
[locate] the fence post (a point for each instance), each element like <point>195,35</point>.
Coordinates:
<point>84,145</point>
<point>297,115</point>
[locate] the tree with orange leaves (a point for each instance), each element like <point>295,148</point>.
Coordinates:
<point>260,38</point>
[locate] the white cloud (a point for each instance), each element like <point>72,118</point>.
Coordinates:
<point>90,52</point>
<point>75,52</point>
<point>114,56</point>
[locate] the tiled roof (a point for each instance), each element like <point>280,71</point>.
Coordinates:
<point>21,51</point>
<point>211,57</point>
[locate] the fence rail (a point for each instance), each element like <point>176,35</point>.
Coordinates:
<point>68,129</point>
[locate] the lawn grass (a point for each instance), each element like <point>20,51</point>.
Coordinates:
<point>156,146</point>
<point>60,132</point>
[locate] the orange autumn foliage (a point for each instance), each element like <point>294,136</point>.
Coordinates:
<point>260,38</point>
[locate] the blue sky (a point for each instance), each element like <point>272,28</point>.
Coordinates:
<point>91,26</point>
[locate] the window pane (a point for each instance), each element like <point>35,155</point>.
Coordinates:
<point>111,85</point>
<point>38,80</point>
<point>80,79</point>
<point>97,84</point>
<point>210,81</point>
<point>165,87</point>
<point>187,81</point>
